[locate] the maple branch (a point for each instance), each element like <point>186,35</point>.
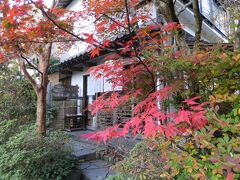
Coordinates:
<point>76,36</point>
<point>2,43</point>
<point>97,19</point>
<point>24,68</point>
<point>46,41</point>
<point>135,48</point>
<point>113,20</point>
<point>27,75</point>
<point>56,24</point>
<point>47,60</point>
<point>31,64</point>
<point>67,31</point>
<point>198,20</point>
<point>34,67</point>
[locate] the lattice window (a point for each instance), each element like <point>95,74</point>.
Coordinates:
<point>118,116</point>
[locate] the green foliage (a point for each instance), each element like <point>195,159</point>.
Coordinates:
<point>207,72</point>
<point>51,115</point>
<point>25,156</point>
<point>8,129</point>
<point>17,96</point>
<point>210,153</point>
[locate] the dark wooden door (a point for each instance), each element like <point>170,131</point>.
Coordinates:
<point>85,97</point>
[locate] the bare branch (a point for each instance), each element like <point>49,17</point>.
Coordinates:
<point>113,20</point>
<point>135,48</point>
<point>31,64</point>
<point>98,44</point>
<point>26,74</point>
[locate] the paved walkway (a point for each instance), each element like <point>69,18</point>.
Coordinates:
<point>96,169</point>
<point>91,168</point>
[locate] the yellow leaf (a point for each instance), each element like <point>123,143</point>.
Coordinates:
<point>237,57</point>
<point>165,174</point>
<point>190,170</point>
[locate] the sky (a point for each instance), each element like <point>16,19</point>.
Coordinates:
<point>48,3</point>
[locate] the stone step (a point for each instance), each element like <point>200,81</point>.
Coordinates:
<point>95,163</point>
<point>85,151</point>
<point>96,170</point>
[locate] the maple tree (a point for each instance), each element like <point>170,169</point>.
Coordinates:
<point>143,80</point>
<point>26,36</point>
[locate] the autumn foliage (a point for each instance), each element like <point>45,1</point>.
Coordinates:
<point>28,30</point>
<point>167,87</point>
<point>135,68</point>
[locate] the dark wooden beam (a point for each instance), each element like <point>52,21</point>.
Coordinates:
<point>90,64</point>
<point>77,68</point>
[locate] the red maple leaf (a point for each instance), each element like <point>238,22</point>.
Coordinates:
<point>95,52</point>
<point>182,116</point>
<point>106,42</point>
<point>230,176</point>
<point>191,100</point>
<point>89,38</point>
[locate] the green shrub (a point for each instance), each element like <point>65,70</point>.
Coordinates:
<point>52,112</point>
<point>18,100</point>
<point>25,156</point>
<point>119,177</point>
<point>210,153</point>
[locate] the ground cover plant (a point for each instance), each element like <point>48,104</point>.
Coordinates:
<point>17,96</point>
<point>24,155</point>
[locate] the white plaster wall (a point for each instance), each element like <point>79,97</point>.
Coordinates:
<point>148,10</point>
<point>77,79</point>
<point>94,85</point>
<point>84,25</point>
<point>102,85</point>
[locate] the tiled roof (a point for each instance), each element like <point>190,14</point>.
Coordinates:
<point>64,3</point>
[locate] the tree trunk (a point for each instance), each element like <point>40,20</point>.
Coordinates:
<point>41,111</point>
<point>40,87</point>
<point>237,41</point>
<point>42,90</point>
<point>167,9</point>
<point>198,20</point>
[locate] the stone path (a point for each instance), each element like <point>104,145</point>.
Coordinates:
<point>91,168</point>
<point>96,169</point>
